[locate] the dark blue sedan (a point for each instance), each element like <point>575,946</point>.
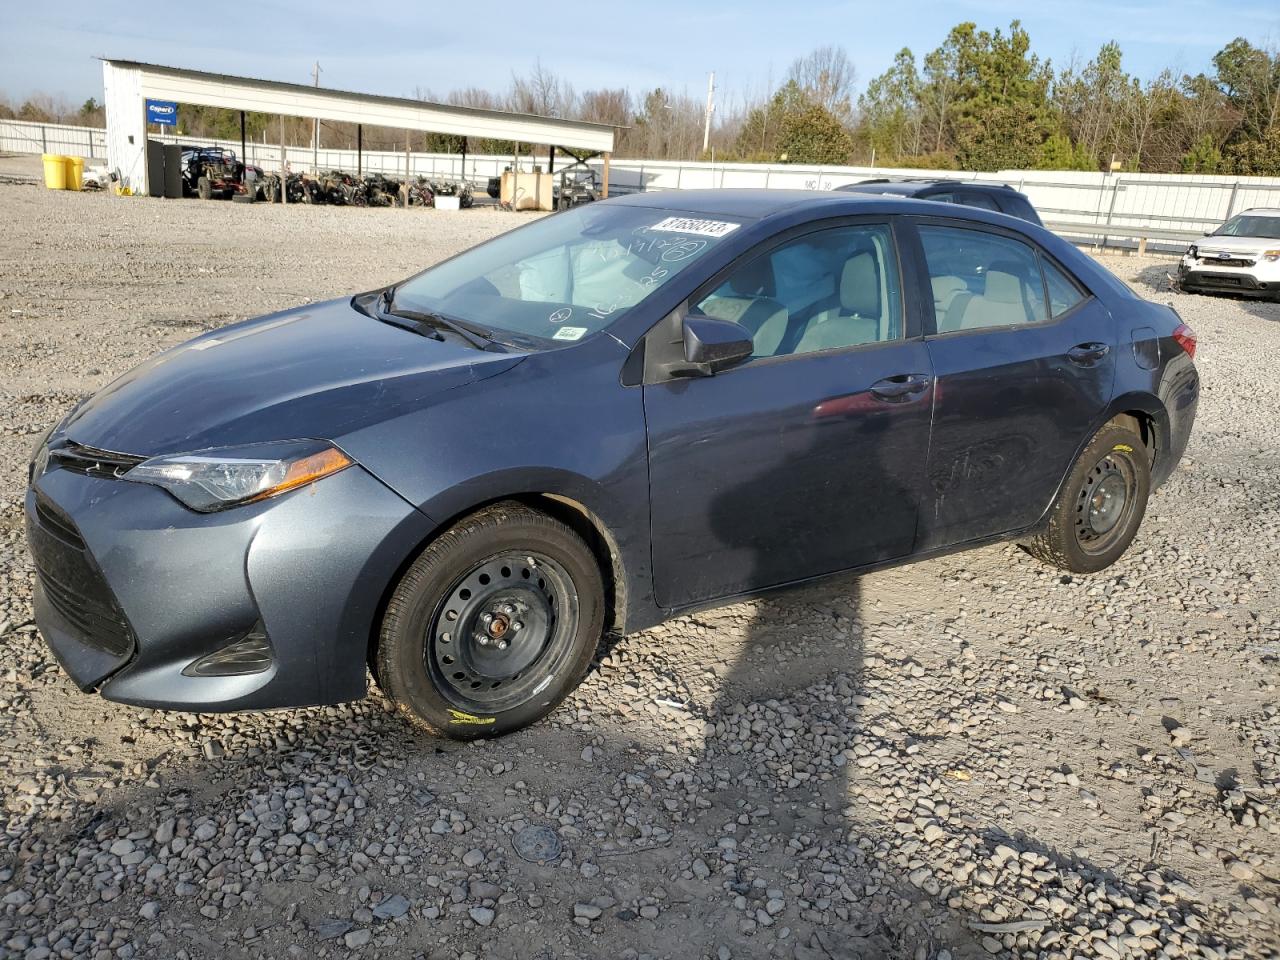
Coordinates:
<point>604,418</point>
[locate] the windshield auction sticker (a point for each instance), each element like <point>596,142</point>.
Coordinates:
<point>570,333</point>
<point>704,228</point>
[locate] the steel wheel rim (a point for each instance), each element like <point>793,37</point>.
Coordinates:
<point>502,632</point>
<point>1105,503</point>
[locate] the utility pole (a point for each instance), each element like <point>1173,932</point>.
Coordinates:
<point>315,125</point>
<point>711,106</point>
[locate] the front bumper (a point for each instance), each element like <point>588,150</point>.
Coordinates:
<point>133,588</point>
<point>1205,275</point>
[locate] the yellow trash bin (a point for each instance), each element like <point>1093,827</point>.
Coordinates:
<point>55,171</point>
<point>75,172</point>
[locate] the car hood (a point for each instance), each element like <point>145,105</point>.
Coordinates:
<point>315,372</point>
<point>1211,246</point>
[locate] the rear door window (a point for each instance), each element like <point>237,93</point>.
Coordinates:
<point>982,280</point>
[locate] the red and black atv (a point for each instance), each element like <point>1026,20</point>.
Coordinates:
<point>209,172</point>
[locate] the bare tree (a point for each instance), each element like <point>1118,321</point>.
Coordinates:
<point>474,97</point>
<point>612,106</point>
<point>1142,107</point>
<point>827,76</point>
<point>541,92</point>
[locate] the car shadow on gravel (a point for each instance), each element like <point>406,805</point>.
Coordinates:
<point>788,720</point>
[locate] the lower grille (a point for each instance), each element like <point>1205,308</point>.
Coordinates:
<point>1228,262</point>
<point>58,524</point>
<point>72,583</point>
<point>101,626</point>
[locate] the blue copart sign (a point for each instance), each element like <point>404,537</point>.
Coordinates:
<point>163,112</point>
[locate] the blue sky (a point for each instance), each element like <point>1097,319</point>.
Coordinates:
<point>396,48</point>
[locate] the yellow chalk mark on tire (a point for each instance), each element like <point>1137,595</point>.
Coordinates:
<point>1123,446</point>
<point>458,716</point>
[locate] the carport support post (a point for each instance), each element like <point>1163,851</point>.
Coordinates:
<point>551,160</point>
<point>604,185</point>
<point>284,167</point>
<point>244,154</point>
<point>463,178</point>
<point>359,148</point>
<point>408,135</point>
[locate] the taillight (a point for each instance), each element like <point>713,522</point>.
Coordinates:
<point>1186,338</point>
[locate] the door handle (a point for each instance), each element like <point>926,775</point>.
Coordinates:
<point>900,388</point>
<point>1087,354</point>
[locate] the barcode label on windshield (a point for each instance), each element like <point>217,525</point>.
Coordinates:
<point>703,228</point>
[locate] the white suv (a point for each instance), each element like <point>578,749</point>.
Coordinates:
<point>1242,255</point>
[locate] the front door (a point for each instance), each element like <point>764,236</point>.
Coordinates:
<point>1024,361</point>
<point>809,457</point>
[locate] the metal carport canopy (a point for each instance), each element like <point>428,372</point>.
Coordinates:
<point>298,100</point>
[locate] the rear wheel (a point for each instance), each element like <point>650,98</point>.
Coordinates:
<point>204,187</point>
<point>1101,505</point>
<point>492,625</point>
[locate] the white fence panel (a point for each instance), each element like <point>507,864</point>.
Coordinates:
<point>17,136</point>
<point>1171,202</point>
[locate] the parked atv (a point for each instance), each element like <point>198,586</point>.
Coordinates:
<point>209,172</point>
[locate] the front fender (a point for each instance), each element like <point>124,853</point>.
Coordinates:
<point>622,526</point>
<point>560,423</point>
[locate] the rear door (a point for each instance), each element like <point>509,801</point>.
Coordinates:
<point>1024,364</point>
<point>809,457</point>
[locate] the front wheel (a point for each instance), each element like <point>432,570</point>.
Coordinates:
<point>1101,505</point>
<point>492,625</point>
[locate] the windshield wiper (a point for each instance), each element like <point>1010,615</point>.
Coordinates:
<point>429,323</point>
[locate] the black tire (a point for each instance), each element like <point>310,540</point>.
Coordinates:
<point>1101,504</point>
<point>437,656</point>
<point>204,188</point>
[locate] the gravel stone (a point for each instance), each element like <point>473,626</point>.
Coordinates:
<point>1067,766</point>
<point>392,907</point>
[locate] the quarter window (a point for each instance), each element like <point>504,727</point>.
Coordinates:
<point>1063,294</point>
<point>822,291</point>
<point>982,279</point>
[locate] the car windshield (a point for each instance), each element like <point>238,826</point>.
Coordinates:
<point>567,275</point>
<point>1250,225</point>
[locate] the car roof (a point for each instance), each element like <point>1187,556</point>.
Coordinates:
<point>758,203</point>
<point>889,185</point>
<point>1261,211</point>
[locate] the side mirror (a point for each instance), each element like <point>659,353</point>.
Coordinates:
<point>712,345</point>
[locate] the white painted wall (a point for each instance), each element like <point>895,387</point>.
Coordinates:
<point>126,125</point>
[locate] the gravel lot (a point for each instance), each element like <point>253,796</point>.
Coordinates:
<point>969,756</point>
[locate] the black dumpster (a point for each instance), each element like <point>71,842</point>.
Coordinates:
<point>173,170</point>
<point>155,168</point>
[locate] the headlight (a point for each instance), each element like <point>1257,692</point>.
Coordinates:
<point>1271,255</point>
<point>210,480</point>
